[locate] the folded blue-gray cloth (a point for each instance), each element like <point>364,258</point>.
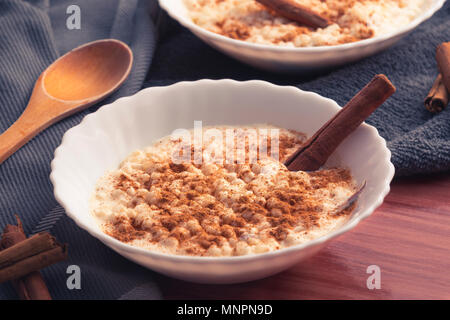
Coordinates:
<point>32,35</point>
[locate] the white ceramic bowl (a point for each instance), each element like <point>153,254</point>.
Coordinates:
<point>104,138</point>
<point>281,59</point>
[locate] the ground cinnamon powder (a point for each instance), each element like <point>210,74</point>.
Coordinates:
<point>195,215</point>
<point>238,27</point>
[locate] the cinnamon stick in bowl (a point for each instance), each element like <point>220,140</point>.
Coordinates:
<point>316,150</point>
<point>296,12</point>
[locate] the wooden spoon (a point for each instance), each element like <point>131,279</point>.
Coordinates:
<point>72,83</point>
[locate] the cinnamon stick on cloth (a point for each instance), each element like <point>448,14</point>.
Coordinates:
<point>21,258</point>
<point>16,265</point>
<point>443,60</point>
<point>296,12</point>
<point>438,97</point>
<point>31,286</point>
<point>317,149</point>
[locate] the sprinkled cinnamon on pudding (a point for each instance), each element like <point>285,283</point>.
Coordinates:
<point>218,208</point>
<point>350,20</point>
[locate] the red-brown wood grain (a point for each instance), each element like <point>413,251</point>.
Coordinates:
<point>408,237</point>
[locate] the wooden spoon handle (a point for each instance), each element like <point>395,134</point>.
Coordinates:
<point>22,131</point>
<point>42,111</point>
<point>34,120</point>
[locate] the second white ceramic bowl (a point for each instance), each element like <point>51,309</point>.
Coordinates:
<point>103,139</point>
<point>294,60</point>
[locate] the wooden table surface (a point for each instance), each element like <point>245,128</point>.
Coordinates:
<point>408,237</point>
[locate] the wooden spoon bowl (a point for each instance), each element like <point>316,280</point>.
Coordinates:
<point>72,83</point>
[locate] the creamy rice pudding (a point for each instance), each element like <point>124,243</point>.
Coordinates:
<point>351,20</point>
<point>220,208</point>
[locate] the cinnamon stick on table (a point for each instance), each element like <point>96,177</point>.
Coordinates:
<point>31,286</point>
<point>438,97</point>
<point>317,149</point>
<point>443,60</point>
<point>296,12</point>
